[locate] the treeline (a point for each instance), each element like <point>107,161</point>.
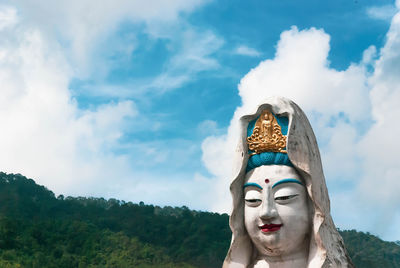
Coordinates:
<point>367,250</point>
<point>38,229</point>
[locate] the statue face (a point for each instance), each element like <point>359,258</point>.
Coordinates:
<point>276,210</point>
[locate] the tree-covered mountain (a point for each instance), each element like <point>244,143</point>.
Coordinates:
<point>38,229</point>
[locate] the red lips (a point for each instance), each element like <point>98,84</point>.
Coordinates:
<point>267,228</point>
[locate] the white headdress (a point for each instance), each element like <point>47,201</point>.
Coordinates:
<point>326,245</point>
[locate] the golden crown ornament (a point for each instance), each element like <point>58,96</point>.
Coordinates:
<point>267,135</point>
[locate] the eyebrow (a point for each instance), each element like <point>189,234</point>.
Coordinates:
<point>287,181</point>
<point>252,184</point>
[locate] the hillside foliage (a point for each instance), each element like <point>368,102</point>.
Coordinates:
<point>38,229</point>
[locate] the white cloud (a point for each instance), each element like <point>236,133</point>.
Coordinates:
<point>194,56</point>
<point>380,146</point>
<point>300,70</point>
<point>385,12</point>
<point>8,17</point>
<point>80,24</point>
<point>207,127</point>
<point>171,194</point>
<point>82,151</point>
<point>339,105</point>
<point>44,134</point>
<point>89,34</point>
<point>247,51</point>
<point>341,148</point>
<point>193,53</point>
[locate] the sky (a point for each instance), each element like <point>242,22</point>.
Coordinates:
<point>139,100</point>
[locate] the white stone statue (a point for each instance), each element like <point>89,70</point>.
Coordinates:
<point>281,213</point>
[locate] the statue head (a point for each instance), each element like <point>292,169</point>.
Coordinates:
<point>281,210</point>
<point>276,212</point>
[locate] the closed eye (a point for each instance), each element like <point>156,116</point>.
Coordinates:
<point>253,200</point>
<point>285,197</point>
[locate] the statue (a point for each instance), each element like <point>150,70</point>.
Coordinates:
<point>281,212</point>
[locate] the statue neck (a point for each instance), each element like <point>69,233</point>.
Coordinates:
<point>298,259</point>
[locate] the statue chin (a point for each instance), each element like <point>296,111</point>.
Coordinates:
<point>277,216</point>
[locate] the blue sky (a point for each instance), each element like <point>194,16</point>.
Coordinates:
<point>138,101</point>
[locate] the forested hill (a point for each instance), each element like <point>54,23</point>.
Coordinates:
<point>38,229</point>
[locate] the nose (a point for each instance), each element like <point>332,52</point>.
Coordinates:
<point>268,209</point>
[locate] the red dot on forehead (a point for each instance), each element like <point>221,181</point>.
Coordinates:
<point>266,180</point>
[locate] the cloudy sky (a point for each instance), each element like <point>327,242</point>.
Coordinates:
<point>138,100</point>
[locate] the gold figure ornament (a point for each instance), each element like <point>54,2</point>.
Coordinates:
<point>267,135</point>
